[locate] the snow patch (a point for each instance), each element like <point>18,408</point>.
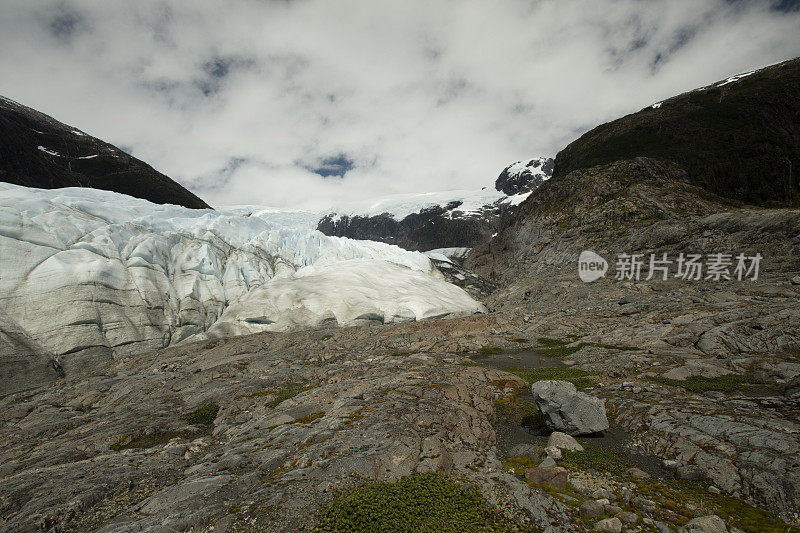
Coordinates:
<point>47,151</point>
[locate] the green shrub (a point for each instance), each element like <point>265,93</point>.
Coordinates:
<point>596,457</point>
<point>577,377</point>
<point>203,416</point>
<point>285,394</point>
<point>491,350</point>
<point>426,502</point>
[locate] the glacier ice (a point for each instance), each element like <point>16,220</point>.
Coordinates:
<point>97,273</point>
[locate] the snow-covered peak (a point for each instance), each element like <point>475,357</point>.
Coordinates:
<point>524,176</point>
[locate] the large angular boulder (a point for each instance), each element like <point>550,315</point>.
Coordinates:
<point>565,409</point>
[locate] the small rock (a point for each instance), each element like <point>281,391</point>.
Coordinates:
<point>628,517</point>
<point>613,509</point>
<point>706,524</point>
<point>670,463</point>
<point>609,525</point>
<point>690,472</point>
<point>796,280</point>
<point>714,490</point>
<point>547,463</point>
<point>591,508</point>
<point>637,473</point>
<point>564,442</point>
<point>554,476</point>
<point>602,494</point>
<point>662,527</point>
<point>553,452</point>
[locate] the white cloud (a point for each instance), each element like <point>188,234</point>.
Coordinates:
<point>237,100</point>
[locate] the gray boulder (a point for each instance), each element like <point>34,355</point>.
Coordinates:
<point>565,409</point>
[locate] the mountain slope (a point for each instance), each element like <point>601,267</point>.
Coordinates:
<point>452,219</point>
<point>38,151</point>
<point>737,138</point>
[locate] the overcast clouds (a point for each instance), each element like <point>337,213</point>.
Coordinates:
<point>268,102</point>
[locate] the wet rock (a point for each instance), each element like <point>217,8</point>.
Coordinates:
<point>555,476</point>
<point>565,409</point>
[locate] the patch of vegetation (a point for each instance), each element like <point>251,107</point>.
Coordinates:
<point>286,394</point>
<point>577,377</point>
<point>727,383</point>
<point>521,341</point>
<point>419,502</point>
<point>517,465</point>
<point>734,511</point>
<point>560,351</point>
<point>310,418</point>
<point>596,457</point>
<point>326,337</point>
<point>559,348</point>
<point>491,350</point>
<point>203,416</point>
<point>547,341</point>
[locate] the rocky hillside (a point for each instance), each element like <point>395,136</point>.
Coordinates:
<point>737,138</point>
<point>38,151</point>
<point>442,220</point>
<point>698,363</point>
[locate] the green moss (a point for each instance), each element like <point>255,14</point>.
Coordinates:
<point>735,512</point>
<point>426,502</point>
<point>547,341</point>
<point>517,465</point>
<point>577,377</point>
<point>595,457</point>
<point>521,341</point>
<point>286,394</point>
<point>203,416</point>
<point>326,337</point>
<point>560,351</point>
<point>728,383</point>
<point>491,350</point>
<point>310,418</point>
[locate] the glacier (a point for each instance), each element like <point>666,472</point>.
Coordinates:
<point>90,274</point>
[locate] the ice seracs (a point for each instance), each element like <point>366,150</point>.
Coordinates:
<point>93,274</point>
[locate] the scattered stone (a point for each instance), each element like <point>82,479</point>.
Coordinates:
<point>714,490</point>
<point>638,473</point>
<point>564,442</point>
<point>705,524</point>
<point>628,517</point>
<point>591,509</point>
<point>609,525</point>
<point>553,452</point>
<point>554,476</point>
<point>602,493</point>
<point>796,280</point>
<point>690,472</point>
<point>548,462</point>
<point>565,409</point>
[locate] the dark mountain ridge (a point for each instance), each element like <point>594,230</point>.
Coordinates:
<point>738,138</point>
<point>38,151</point>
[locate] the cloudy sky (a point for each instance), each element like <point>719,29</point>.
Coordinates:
<point>307,103</point>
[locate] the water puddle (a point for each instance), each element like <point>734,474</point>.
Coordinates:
<point>520,360</point>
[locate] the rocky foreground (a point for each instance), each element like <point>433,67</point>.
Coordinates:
<point>259,433</point>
